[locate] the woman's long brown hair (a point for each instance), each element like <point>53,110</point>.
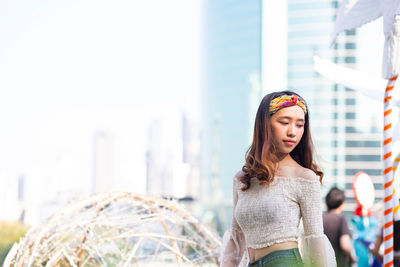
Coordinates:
<point>261,159</point>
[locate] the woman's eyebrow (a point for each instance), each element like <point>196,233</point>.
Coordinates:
<point>291,118</point>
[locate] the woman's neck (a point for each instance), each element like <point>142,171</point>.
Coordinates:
<point>284,159</point>
<point>287,166</point>
<point>287,161</point>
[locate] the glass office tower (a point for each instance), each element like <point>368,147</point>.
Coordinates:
<point>231,88</point>
<point>346,130</point>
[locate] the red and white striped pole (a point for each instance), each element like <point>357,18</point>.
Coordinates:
<point>388,175</point>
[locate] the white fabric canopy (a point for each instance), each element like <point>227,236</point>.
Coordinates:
<point>362,82</point>
<point>354,13</point>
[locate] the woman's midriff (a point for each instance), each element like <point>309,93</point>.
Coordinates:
<point>255,254</point>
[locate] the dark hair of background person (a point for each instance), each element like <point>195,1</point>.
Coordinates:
<point>396,235</point>
<point>261,160</point>
<point>334,198</point>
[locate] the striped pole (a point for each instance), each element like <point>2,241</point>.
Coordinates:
<point>388,175</point>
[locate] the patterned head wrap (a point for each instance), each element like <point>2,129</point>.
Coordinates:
<point>285,101</point>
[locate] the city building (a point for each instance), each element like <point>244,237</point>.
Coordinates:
<point>231,93</point>
<point>172,157</point>
<point>346,125</point>
<point>103,170</point>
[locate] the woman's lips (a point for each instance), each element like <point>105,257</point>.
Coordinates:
<point>289,142</point>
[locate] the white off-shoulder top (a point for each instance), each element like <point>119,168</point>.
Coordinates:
<point>264,215</point>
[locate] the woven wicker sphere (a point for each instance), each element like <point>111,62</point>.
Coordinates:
<point>119,229</point>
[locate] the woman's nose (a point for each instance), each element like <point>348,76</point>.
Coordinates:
<point>292,131</point>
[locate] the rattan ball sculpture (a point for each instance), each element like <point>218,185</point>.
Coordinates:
<point>119,229</point>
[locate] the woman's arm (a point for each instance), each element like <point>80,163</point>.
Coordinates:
<point>233,243</point>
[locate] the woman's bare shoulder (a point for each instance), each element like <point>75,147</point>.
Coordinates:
<point>307,174</point>
<point>295,170</point>
<point>238,175</point>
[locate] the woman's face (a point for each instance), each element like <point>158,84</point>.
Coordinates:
<point>288,128</point>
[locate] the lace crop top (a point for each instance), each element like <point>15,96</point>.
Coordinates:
<point>264,215</point>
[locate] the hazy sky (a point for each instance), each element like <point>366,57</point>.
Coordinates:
<point>70,68</point>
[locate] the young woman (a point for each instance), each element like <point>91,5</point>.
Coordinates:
<point>279,184</point>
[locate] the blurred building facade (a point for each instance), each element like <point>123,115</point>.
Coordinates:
<point>103,161</point>
<point>345,125</point>
<point>231,92</point>
<point>191,156</point>
<point>346,130</point>
<point>172,158</point>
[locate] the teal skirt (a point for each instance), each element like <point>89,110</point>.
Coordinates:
<point>279,258</point>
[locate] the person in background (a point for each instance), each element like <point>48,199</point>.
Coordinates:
<point>377,250</point>
<point>337,229</point>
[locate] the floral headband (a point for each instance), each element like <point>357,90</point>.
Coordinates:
<point>285,101</point>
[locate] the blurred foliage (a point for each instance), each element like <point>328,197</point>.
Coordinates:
<point>10,232</point>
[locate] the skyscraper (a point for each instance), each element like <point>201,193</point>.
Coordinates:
<point>172,157</point>
<point>232,58</point>
<point>159,168</point>
<point>345,125</point>
<point>190,156</point>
